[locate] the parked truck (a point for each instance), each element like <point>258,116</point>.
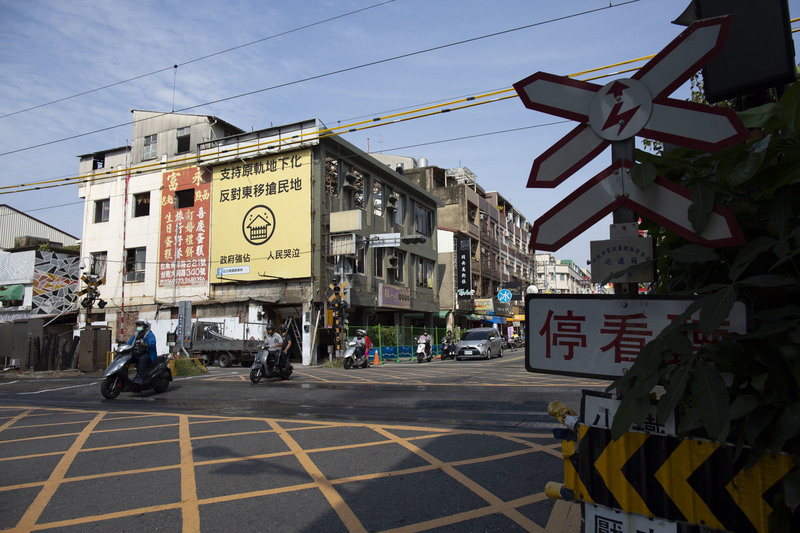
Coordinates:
<point>208,344</point>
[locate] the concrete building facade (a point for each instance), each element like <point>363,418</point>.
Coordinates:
<point>483,247</point>
<point>554,276</point>
<point>255,227</point>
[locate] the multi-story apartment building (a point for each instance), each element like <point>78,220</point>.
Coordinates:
<point>560,276</point>
<point>483,246</point>
<point>253,227</point>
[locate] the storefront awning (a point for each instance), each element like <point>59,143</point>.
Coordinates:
<point>11,293</point>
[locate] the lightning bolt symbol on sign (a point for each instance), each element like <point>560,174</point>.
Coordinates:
<point>615,117</point>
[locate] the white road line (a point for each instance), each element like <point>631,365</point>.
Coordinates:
<point>60,388</point>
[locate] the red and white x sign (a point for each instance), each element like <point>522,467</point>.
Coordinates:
<point>640,106</point>
<point>663,202</point>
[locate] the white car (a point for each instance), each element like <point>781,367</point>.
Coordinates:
<point>480,342</point>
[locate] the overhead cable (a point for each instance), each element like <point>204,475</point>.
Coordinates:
<point>195,60</point>
<point>393,118</point>
<point>331,73</point>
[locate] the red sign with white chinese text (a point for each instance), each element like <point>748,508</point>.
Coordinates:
<point>185,200</point>
<point>600,337</point>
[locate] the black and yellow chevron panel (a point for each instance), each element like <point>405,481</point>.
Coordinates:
<point>682,480</point>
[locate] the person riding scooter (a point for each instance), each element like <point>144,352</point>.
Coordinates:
<point>448,345</point>
<point>427,340</point>
<point>361,344</point>
<point>273,343</point>
<point>145,341</point>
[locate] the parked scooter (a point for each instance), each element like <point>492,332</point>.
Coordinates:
<point>424,351</point>
<point>268,364</point>
<point>351,360</point>
<point>448,349</point>
<point>116,377</point>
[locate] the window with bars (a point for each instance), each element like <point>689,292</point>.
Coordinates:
<point>99,260</point>
<point>150,147</point>
<point>135,264</point>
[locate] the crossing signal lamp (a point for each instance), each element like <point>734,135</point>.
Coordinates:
<point>93,282</point>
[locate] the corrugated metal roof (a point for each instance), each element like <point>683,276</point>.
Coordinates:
<point>14,223</point>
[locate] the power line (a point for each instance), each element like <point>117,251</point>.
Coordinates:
<point>477,135</point>
<point>334,72</point>
<point>201,58</point>
<point>467,102</point>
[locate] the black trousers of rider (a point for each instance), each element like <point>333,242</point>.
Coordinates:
<point>274,358</point>
<point>142,366</point>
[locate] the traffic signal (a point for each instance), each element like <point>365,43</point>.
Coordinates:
<point>91,291</point>
<point>338,322</point>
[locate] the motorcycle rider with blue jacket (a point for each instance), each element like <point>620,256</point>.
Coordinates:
<point>145,339</point>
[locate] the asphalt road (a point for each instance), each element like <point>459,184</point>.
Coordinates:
<point>442,446</point>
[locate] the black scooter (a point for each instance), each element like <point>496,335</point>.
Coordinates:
<point>268,364</point>
<point>116,377</point>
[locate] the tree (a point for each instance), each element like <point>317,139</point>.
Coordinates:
<point>744,389</point>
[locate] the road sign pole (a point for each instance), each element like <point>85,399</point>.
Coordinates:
<point>622,151</point>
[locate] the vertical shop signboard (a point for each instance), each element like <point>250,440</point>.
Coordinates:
<point>184,251</point>
<point>464,260</point>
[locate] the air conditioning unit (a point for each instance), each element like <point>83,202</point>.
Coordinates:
<point>506,233</point>
<point>350,181</point>
<point>392,262</point>
<point>391,201</point>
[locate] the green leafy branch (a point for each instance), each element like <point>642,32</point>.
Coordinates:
<point>742,389</point>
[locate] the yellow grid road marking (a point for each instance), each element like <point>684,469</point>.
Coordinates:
<point>33,512</point>
<point>496,504</point>
<point>190,509</point>
<point>189,504</point>
<point>348,517</point>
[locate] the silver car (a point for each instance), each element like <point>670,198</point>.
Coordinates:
<point>480,342</point>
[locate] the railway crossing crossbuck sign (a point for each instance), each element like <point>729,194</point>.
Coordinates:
<point>618,111</point>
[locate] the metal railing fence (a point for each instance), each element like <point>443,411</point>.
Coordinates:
<point>397,342</point>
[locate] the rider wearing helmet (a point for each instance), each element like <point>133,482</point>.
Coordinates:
<point>361,343</point>
<point>287,343</point>
<point>427,340</point>
<point>145,339</point>
<point>273,342</point>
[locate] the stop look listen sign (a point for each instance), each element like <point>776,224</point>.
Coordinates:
<point>601,336</point>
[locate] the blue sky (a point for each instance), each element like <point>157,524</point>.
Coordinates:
<point>51,51</point>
